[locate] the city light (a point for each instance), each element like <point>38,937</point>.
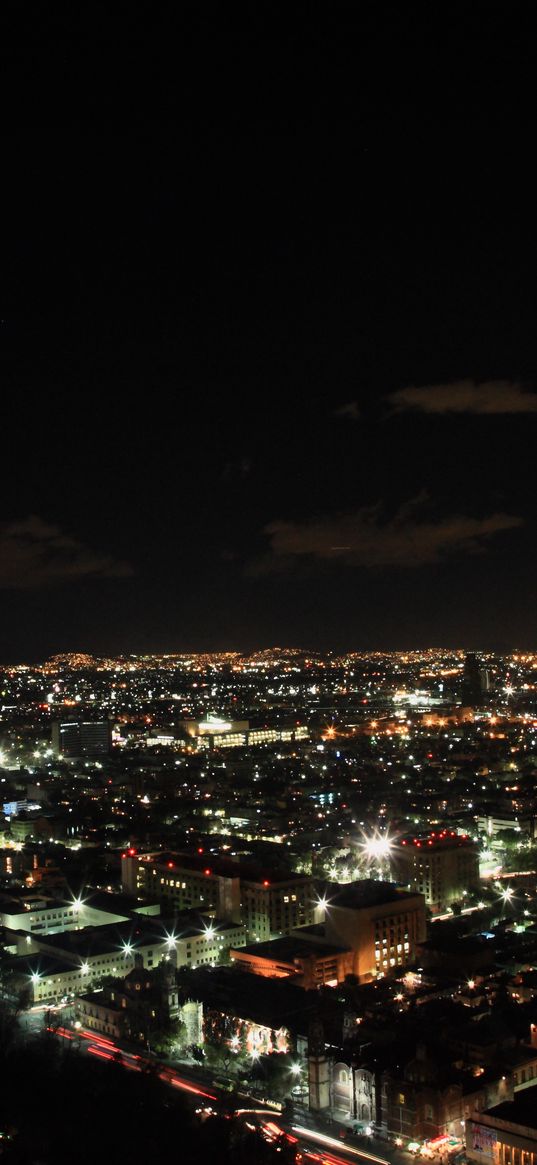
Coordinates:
<point>378,846</point>
<point>296,1069</point>
<point>127,949</point>
<point>85,968</point>
<point>209,932</point>
<point>35,977</point>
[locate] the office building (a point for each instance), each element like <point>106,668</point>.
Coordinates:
<point>443,865</point>
<point>76,739</point>
<point>266,904</point>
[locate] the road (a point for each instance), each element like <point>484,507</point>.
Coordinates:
<point>318,1142</point>
<point>192,1082</point>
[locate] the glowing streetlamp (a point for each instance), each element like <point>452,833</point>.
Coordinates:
<point>378,849</point>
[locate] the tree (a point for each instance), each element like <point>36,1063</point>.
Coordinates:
<point>170,1038</point>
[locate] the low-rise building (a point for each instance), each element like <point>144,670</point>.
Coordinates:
<point>310,964</point>
<point>58,965</point>
<point>505,1134</point>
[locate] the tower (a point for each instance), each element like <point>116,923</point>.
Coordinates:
<point>318,1069</point>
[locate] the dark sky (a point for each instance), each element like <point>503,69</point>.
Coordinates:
<point>212,324</point>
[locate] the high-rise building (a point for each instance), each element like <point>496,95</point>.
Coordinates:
<point>442,865</point>
<point>475,680</point>
<point>81,738</point>
<point>266,903</point>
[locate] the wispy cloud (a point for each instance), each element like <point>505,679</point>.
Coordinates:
<point>34,553</point>
<point>349,411</point>
<point>367,538</point>
<point>466,396</point>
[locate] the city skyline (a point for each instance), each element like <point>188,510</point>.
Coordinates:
<point>270,382</point>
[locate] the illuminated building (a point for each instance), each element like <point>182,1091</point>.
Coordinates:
<point>81,738</point>
<point>364,928</point>
<point>265,906</point>
<point>64,964</point>
<point>216,733</point>
<point>441,865</point>
<point>311,964</point>
<point>379,923</point>
<point>248,1013</point>
<point>505,1134</point>
<point>41,915</point>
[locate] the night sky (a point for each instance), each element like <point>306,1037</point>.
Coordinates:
<point>269,374</point>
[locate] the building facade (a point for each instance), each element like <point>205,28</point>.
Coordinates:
<point>444,866</point>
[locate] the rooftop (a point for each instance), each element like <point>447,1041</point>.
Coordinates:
<point>522,1110</point>
<point>444,839</point>
<point>366,892</point>
<point>287,949</point>
<point>223,867</point>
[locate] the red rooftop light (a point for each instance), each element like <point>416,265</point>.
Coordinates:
<point>132,852</point>
<point>206,871</point>
<point>266,883</point>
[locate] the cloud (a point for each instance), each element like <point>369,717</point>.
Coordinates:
<point>34,554</point>
<point>365,538</point>
<point>466,396</point>
<point>349,411</point>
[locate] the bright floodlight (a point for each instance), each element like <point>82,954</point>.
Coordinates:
<point>127,949</point>
<point>77,903</point>
<point>84,968</point>
<point>296,1069</point>
<point>377,847</point>
<point>209,932</point>
<point>35,977</point>
<point>507,893</point>
<point>254,1054</point>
